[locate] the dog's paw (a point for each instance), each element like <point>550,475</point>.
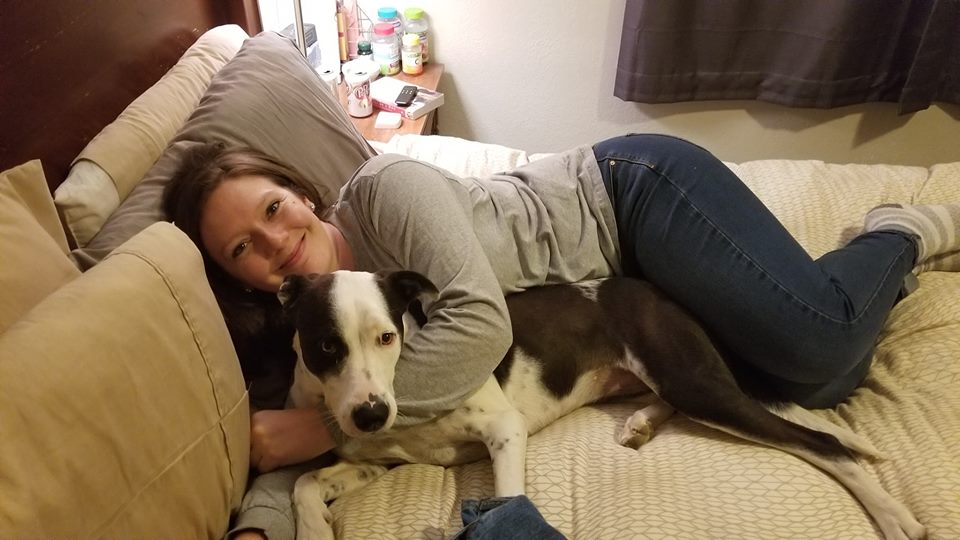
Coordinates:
<point>863,447</point>
<point>316,526</point>
<point>345,477</point>
<point>909,531</point>
<point>636,432</point>
<point>314,520</point>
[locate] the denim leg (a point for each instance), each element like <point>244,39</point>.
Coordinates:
<point>690,226</point>
<point>504,518</point>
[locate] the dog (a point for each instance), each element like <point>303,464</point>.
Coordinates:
<point>573,345</point>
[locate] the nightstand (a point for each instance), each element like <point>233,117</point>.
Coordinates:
<point>426,124</point>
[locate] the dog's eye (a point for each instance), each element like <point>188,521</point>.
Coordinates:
<point>328,346</point>
<point>386,338</point>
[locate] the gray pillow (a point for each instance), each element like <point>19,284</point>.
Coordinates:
<point>269,98</point>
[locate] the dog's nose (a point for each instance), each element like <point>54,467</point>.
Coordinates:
<point>371,415</point>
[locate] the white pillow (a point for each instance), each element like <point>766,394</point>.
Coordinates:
<point>460,156</point>
<point>85,199</point>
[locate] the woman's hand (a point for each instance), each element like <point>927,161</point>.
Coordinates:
<point>287,436</point>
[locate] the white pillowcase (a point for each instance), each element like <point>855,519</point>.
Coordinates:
<point>85,199</point>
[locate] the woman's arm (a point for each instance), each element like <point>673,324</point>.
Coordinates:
<point>267,507</point>
<point>413,217</point>
<point>283,445</point>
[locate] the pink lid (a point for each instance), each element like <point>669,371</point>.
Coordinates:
<point>383,29</point>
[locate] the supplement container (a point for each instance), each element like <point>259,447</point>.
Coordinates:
<point>386,48</point>
<point>410,56</point>
<point>416,24</point>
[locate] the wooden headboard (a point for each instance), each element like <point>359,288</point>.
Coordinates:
<point>68,68</point>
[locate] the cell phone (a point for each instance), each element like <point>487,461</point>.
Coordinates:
<point>407,93</point>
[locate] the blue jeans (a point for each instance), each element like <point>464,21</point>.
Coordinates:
<point>504,518</point>
<point>806,327</point>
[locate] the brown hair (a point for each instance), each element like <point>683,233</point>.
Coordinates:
<point>250,315</point>
<point>206,166</point>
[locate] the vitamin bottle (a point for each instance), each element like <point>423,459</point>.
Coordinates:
<point>416,24</point>
<point>410,55</point>
<point>386,49</point>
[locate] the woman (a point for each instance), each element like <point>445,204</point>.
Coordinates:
<point>649,206</point>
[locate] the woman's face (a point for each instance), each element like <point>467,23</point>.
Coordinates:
<point>260,232</point>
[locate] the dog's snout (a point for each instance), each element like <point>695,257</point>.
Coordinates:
<point>371,415</point>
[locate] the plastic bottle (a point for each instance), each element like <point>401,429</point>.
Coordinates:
<point>410,56</point>
<point>389,15</point>
<point>386,49</point>
<point>364,50</point>
<point>365,53</point>
<point>416,24</point>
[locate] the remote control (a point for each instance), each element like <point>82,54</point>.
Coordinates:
<point>407,93</point>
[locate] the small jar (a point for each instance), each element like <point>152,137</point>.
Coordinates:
<point>410,55</point>
<point>386,48</point>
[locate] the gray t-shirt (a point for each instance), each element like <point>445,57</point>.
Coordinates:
<point>476,239</point>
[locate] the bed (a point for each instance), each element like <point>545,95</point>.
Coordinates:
<point>105,171</point>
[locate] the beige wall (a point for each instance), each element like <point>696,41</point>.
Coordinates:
<point>538,75</point>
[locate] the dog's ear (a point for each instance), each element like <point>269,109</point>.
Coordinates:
<point>291,288</point>
<point>409,286</point>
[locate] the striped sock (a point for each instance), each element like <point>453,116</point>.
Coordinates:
<point>936,227</point>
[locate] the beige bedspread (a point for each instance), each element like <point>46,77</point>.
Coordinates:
<point>692,482</point>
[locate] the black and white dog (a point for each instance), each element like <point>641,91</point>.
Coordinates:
<point>573,345</point>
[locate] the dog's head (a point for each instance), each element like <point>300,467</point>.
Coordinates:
<point>350,330</point>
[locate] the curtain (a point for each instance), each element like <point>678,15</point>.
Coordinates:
<point>800,53</point>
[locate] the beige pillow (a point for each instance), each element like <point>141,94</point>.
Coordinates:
<point>123,410</point>
<point>32,244</point>
<point>112,164</point>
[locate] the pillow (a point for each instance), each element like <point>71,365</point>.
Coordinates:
<point>85,200</point>
<point>32,243</point>
<point>124,411</point>
<point>459,156</point>
<point>109,167</point>
<point>269,98</point>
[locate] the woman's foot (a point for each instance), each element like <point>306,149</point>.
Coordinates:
<point>935,227</point>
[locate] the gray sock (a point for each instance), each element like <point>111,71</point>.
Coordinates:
<point>936,227</point>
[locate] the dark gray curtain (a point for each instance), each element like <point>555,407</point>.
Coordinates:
<point>800,53</point>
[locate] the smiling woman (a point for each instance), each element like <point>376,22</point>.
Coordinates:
<point>260,232</point>
<point>255,218</point>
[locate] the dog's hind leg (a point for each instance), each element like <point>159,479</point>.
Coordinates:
<point>895,520</point>
<point>673,355</point>
<point>749,420</point>
<point>712,402</point>
<point>639,428</point>
<point>798,415</point>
